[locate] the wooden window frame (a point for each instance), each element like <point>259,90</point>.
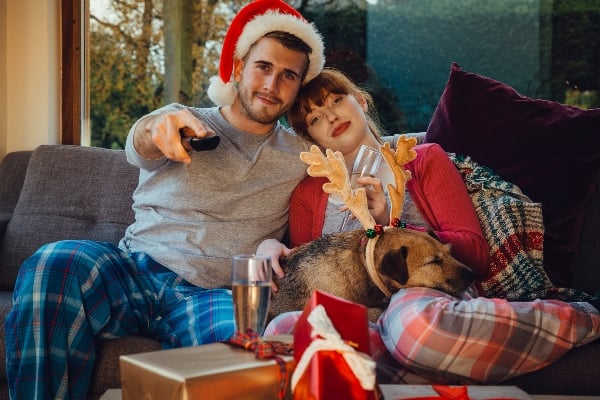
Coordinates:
<point>72,91</point>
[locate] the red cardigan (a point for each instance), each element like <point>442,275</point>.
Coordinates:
<point>436,188</point>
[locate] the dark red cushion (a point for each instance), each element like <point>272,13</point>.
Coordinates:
<point>550,150</point>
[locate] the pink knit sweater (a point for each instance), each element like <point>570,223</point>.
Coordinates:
<point>437,190</point>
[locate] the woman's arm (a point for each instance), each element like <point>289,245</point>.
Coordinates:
<point>441,195</point>
<point>307,211</point>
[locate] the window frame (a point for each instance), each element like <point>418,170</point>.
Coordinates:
<point>72,47</point>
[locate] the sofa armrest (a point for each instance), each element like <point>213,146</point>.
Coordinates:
<point>4,220</point>
<point>13,168</point>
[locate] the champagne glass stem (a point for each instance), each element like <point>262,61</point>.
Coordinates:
<point>347,217</point>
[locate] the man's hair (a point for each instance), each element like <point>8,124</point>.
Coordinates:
<point>288,41</point>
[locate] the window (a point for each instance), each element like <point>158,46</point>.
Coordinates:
<point>147,53</point>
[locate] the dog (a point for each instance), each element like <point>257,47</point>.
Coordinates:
<point>336,264</point>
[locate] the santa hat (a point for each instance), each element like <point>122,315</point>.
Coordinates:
<point>250,24</point>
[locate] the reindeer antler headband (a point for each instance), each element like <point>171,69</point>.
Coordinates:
<point>333,167</point>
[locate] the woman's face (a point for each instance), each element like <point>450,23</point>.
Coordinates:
<point>340,123</point>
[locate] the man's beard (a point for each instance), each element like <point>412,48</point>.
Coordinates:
<point>261,116</point>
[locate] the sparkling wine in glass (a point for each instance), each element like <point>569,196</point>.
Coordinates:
<point>366,163</point>
<point>251,289</point>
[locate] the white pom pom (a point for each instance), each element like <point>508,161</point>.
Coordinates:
<point>222,94</point>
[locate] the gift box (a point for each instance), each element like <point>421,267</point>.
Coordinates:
<point>212,371</point>
<point>332,352</point>
<point>441,392</point>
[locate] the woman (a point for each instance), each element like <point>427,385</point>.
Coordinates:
<point>438,336</point>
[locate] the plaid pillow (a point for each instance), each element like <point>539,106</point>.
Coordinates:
<point>514,228</point>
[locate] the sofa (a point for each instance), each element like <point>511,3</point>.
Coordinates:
<point>72,192</point>
<point>59,192</point>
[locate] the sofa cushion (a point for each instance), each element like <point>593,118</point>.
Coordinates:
<point>516,259</point>
<point>587,260</point>
<point>69,192</point>
<point>575,374</point>
<point>551,151</point>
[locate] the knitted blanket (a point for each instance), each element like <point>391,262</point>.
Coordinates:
<point>514,228</point>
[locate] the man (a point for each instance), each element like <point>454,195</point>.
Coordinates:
<point>193,211</point>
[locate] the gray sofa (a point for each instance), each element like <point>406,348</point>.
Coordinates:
<point>70,192</point>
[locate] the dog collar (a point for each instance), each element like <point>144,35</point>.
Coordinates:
<point>372,236</point>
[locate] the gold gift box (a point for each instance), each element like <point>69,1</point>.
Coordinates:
<point>212,371</point>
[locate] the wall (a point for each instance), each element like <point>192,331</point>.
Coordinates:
<point>2,77</point>
<point>29,74</point>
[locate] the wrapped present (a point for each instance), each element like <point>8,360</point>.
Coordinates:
<point>212,371</point>
<point>446,392</point>
<point>331,349</point>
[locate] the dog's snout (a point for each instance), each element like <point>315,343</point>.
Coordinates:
<point>467,274</point>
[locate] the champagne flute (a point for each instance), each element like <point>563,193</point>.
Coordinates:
<point>366,163</point>
<point>251,291</point>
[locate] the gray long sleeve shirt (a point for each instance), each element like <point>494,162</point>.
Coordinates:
<point>193,219</point>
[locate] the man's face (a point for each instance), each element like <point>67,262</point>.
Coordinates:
<point>268,80</point>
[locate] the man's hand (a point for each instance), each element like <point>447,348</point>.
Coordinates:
<point>168,134</point>
<point>274,249</point>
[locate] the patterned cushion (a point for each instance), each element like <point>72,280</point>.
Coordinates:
<point>513,226</point>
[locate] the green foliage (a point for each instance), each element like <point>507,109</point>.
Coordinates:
<point>127,62</point>
<point>400,51</point>
<point>124,78</point>
<point>116,100</point>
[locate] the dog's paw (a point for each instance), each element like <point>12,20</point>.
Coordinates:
<point>374,313</point>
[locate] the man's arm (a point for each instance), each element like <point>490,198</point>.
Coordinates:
<point>165,134</point>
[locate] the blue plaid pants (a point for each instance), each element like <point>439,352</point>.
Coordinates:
<point>70,293</point>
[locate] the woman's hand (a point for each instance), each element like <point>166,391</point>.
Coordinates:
<point>274,249</point>
<point>376,200</point>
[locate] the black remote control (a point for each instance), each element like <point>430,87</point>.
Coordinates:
<point>205,143</point>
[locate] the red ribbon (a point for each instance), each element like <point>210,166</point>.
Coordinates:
<point>263,350</point>
<point>451,393</point>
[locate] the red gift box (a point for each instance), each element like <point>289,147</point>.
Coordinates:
<point>333,333</point>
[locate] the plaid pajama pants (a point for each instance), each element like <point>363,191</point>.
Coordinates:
<point>71,292</point>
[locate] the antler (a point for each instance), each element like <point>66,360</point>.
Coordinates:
<point>334,168</point>
<point>396,160</point>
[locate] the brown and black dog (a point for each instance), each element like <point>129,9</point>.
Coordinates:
<point>336,264</point>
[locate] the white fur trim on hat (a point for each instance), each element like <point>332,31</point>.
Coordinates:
<point>221,93</point>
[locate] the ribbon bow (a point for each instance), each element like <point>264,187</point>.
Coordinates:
<point>328,339</point>
<point>265,349</point>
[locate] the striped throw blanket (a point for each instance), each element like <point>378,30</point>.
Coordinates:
<point>514,228</point>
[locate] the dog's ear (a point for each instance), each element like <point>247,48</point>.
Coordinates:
<point>436,237</point>
<point>433,235</point>
<point>393,265</point>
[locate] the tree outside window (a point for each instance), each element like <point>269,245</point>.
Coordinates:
<point>148,53</point>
